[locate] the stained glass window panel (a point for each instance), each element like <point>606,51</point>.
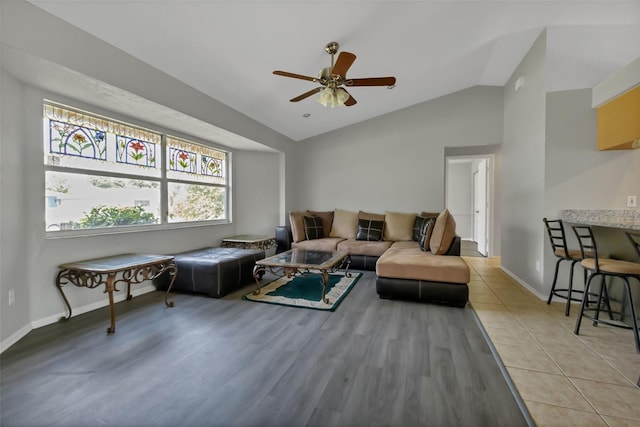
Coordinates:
<point>182,160</point>
<point>81,141</point>
<point>135,151</point>
<point>197,163</point>
<point>212,166</point>
<point>72,140</point>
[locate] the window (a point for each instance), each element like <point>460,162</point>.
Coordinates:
<point>196,178</point>
<point>102,174</point>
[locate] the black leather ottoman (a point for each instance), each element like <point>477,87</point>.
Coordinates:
<point>212,271</point>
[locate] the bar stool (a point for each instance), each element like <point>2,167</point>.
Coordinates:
<point>606,267</point>
<point>558,240</point>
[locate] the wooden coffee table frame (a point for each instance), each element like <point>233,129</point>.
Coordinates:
<point>279,266</point>
<point>120,269</point>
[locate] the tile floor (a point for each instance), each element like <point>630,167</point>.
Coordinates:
<point>565,379</point>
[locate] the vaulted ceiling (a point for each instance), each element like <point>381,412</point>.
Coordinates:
<point>228,49</point>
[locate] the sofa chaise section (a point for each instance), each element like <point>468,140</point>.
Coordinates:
<point>406,272</point>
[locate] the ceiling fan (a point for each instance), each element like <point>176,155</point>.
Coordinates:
<point>333,79</point>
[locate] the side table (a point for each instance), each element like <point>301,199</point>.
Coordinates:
<point>249,241</point>
<point>124,269</point>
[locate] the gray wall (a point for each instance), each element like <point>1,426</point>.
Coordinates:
<point>29,259</point>
<point>256,177</point>
<point>13,265</point>
<point>523,169</point>
<point>395,162</point>
<point>577,175</point>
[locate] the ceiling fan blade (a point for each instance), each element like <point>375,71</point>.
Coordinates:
<point>345,59</point>
<point>372,81</point>
<point>351,101</point>
<point>295,76</point>
<point>306,94</point>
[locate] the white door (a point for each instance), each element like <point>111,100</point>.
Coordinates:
<point>480,206</point>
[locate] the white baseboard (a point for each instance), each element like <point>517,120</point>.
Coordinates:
<point>17,336</point>
<point>35,324</point>
<point>524,284</point>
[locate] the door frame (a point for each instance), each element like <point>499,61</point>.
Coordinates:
<point>490,192</point>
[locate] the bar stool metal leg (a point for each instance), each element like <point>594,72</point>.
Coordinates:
<point>636,336</point>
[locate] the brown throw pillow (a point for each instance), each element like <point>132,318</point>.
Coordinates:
<point>444,231</point>
<point>371,216</point>
<point>313,227</point>
<point>430,214</point>
<point>297,225</point>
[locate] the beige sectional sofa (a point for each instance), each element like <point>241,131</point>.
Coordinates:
<point>415,256</point>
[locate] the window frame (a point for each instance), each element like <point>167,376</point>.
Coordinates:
<point>163,179</point>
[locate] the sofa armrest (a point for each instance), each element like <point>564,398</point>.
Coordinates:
<point>283,238</point>
<point>454,249</point>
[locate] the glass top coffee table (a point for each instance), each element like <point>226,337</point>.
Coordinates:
<point>297,261</point>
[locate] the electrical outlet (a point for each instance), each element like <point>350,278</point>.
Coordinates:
<point>12,296</point>
<point>631,201</point>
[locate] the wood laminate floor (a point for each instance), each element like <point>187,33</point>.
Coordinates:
<point>230,362</point>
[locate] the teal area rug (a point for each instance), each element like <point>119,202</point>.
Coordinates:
<point>305,291</point>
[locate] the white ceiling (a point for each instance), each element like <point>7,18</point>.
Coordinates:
<point>228,49</point>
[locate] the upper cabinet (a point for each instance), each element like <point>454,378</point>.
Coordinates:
<point>619,122</point>
<point>617,99</point>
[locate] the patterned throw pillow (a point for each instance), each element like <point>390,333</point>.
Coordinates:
<point>417,227</point>
<point>425,233</point>
<point>313,227</point>
<point>369,230</point>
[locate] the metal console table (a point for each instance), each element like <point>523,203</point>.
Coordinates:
<point>120,269</point>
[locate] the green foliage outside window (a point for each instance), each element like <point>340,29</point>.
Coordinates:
<point>113,216</point>
<point>202,203</point>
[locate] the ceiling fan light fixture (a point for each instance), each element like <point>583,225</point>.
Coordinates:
<point>325,97</point>
<point>341,96</point>
<point>330,97</point>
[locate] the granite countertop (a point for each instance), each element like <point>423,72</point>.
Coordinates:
<point>618,218</point>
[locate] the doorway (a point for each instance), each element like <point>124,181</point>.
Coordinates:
<point>468,196</point>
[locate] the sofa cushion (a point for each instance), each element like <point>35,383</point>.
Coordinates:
<point>444,231</point>
<point>328,244</point>
<point>297,225</point>
<point>327,220</point>
<point>405,245</point>
<point>425,234</point>
<point>363,247</point>
<point>418,265</point>
<point>369,230</point>
<point>398,226</point>
<point>345,224</point>
<point>313,227</point>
